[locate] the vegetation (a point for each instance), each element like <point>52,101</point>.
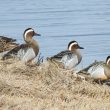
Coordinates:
<point>47,87</point>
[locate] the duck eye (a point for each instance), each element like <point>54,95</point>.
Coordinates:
<point>76,46</point>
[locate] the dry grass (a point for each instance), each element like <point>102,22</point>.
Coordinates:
<point>48,88</point>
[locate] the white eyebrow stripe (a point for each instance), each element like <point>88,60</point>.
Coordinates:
<point>108,61</point>
<point>30,30</point>
<point>75,43</point>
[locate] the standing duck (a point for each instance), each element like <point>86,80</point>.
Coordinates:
<point>28,51</point>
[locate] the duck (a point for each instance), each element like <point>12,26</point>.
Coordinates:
<point>27,51</point>
<point>7,44</point>
<point>70,58</point>
<point>99,70</point>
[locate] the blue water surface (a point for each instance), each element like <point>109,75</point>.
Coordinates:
<point>60,21</point>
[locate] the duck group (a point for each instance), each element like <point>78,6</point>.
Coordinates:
<point>67,59</point>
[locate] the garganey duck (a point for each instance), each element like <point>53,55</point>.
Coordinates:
<point>28,51</point>
<point>99,70</point>
<point>69,58</point>
<point>7,44</point>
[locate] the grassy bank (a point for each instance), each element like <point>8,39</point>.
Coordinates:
<point>48,88</point>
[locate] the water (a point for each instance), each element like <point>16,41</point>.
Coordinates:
<point>60,21</point>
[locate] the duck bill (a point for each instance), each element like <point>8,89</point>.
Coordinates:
<point>36,34</point>
<point>81,47</point>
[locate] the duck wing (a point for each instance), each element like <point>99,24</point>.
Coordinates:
<point>15,50</point>
<point>61,54</point>
<point>95,64</point>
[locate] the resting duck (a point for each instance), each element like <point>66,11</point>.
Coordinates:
<point>7,44</point>
<point>69,58</point>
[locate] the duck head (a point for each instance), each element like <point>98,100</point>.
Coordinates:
<point>73,45</point>
<point>29,33</point>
